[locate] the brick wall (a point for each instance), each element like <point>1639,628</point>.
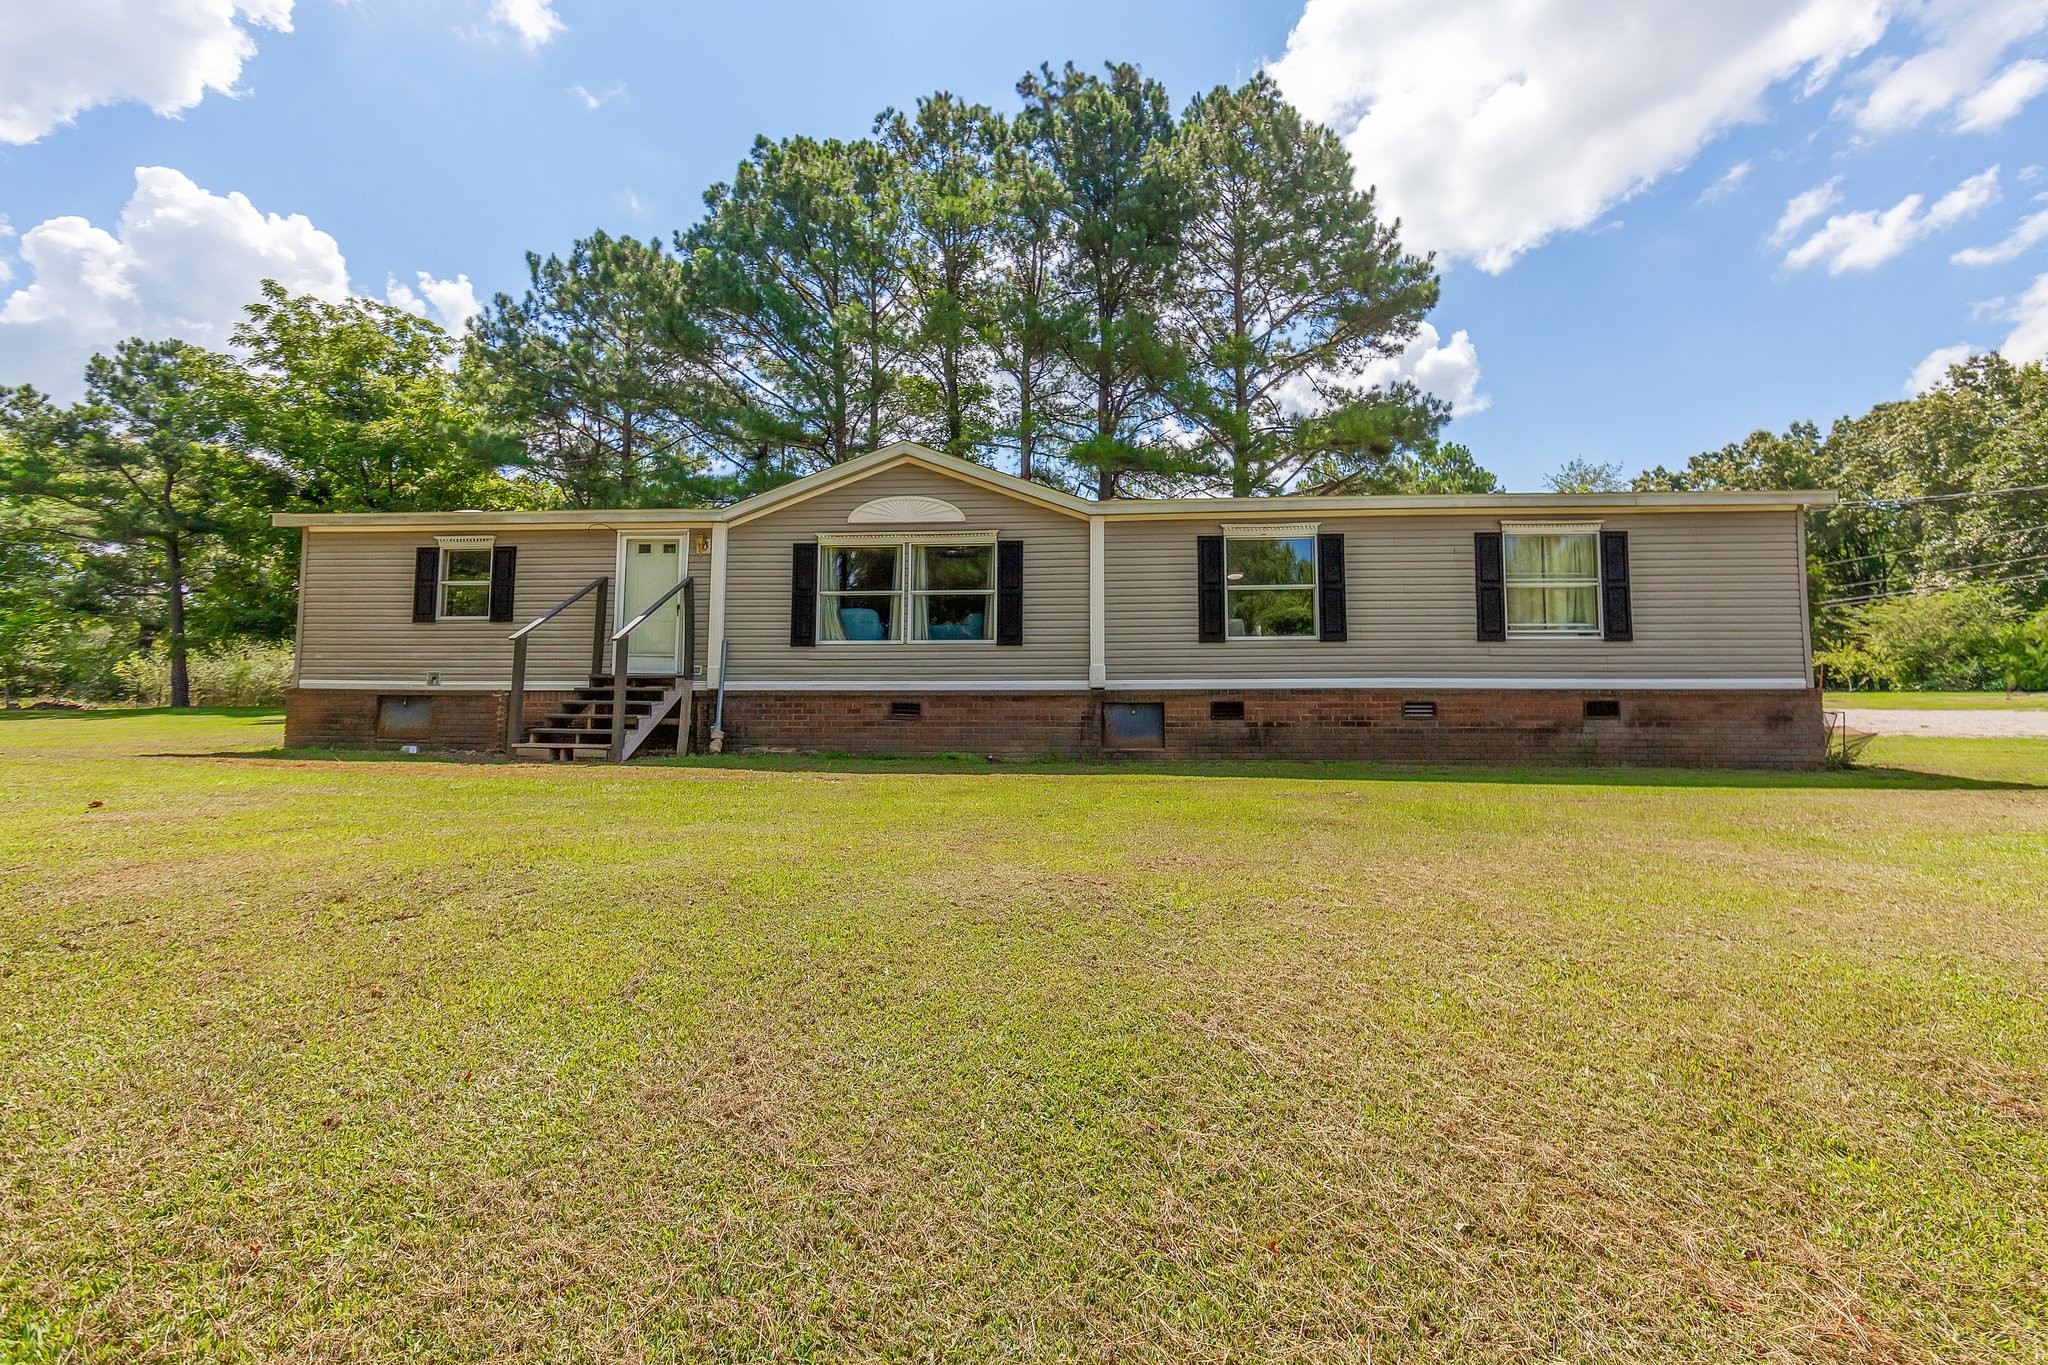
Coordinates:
<point>1006,724</point>
<point>1741,729</point>
<point>1745,729</point>
<point>460,721</point>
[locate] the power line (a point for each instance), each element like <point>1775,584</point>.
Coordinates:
<point>2016,530</point>
<point>1941,497</point>
<point>1950,568</point>
<point>2035,576</point>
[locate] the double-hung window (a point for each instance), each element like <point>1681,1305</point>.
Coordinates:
<point>1553,580</point>
<point>953,592</point>
<point>1269,583</point>
<point>874,590</point>
<point>860,592</point>
<point>465,584</point>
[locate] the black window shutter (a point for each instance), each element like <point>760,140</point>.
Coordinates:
<point>1209,577</point>
<point>504,569</point>
<point>1614,604</point>
<point>1009,592</point>
<point>426,582</point>
<point>1490,577</point>
<point>1330,586</point>
<point>803,593</point>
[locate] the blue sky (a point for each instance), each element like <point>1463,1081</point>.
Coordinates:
<point>1603,180</point>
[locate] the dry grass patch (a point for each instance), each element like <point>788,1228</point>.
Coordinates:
<point>330,1060</point>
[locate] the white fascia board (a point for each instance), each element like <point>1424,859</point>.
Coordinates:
<point>1493,504</point>
<point>461,523</point>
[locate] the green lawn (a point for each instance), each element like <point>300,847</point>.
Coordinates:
<point>1942,701</point>
<point>355,1060</point>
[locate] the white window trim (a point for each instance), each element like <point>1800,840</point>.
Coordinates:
<point>1293,530</point>
<point>1270,530</point>
<point>906,538</point>
<point>453,545</point>
<point>1598,629</point>
<point>904,543</point>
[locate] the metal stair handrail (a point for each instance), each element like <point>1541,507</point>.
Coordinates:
<point>515,704</point>
<point>687,586</point>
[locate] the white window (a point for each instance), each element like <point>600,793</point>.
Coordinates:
<point>1553,581</point>
<point>953,592</point>
<point>1269,584</point>
<point>465,584</point>
<point>874,589</point>
<point>860,592</point>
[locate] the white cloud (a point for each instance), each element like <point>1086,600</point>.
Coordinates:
<point>2029,316</point>
<point>1965,40</point>
<point>2026,234</point>
<point>1490,128</point>
<point>1731,179</point>
<point>180,262</point>
<point>1802,209</point>
<point>1935,368</point>
<point>1867,239</point>
<point>2025,343</point>
<point>451,303</point>
<point>1448,369</point>
<point>597,99</point>
<point>533,22</point>
<point>59,58</point>
<point>1990,108</point>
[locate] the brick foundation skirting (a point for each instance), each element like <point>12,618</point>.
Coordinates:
<point>460,722</point>
<point>1731,729</point>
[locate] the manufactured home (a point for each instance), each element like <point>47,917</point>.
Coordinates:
<point>909,602</point>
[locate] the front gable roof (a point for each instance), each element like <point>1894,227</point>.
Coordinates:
<point>895,457</point>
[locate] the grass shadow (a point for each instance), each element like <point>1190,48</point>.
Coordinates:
<point>1885,777</point>
<point>1871,777</point>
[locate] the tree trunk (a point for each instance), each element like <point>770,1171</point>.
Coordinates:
<point>174,582</point>
<point>1024,432</point>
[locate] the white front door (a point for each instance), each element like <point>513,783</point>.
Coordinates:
<point>653,565</point>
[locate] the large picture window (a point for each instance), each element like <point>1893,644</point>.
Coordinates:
<point>1269,585</point>
<point>908,590</point>
<point>465,585</point>
<point>1553,582</point>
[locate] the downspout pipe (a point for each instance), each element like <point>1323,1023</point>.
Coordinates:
<point>717,745</point>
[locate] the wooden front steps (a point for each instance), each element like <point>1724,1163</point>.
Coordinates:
<point>582,726</point>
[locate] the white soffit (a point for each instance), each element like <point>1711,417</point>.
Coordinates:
<point>904,507</point>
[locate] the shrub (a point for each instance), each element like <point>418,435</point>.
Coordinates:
<point>242,673</point>
<point>1950,639</point>
<point>2022,655</point>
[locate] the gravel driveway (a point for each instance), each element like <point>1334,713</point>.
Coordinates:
<point>1949,724</point>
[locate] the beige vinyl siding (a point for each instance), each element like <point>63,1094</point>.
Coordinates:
<point>1715,595</point>
<point>356,627</point>
<point>1055,648</point>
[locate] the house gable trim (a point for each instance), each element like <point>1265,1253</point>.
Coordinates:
<point>895,457</point>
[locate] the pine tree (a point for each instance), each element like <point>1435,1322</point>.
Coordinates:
<point>1288,286</point>
<point>1123,208</point>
